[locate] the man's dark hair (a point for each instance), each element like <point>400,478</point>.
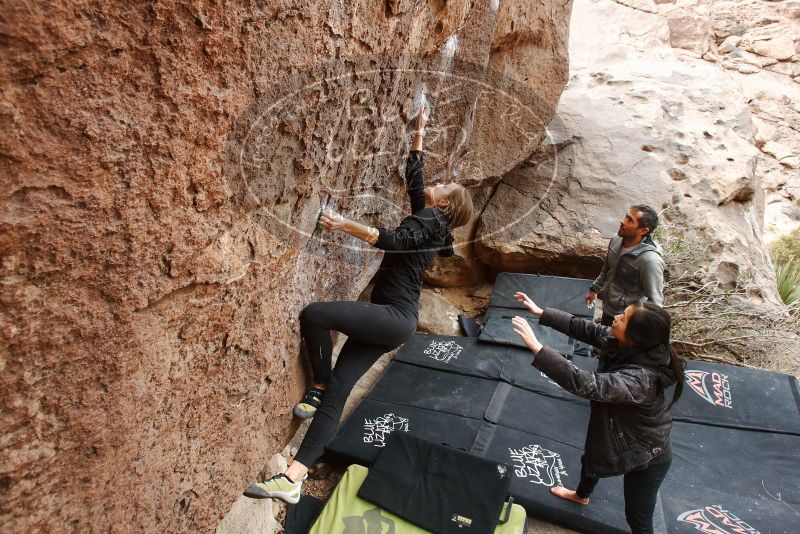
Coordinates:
<point>648,217</point>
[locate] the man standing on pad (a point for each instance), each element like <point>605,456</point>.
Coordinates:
<point>633,268</point>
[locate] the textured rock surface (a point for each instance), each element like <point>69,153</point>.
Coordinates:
<point>248,516</point>
<point>437,315</point>
<point>162,171</point>
<point>636,124</point>
<point>758,43</point>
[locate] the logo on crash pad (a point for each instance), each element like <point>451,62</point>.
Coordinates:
<point>443,351</point>
<point>377,430</point>
<point>713,387</point>
<point>716,520</point>
<point>537,464</point>
<point>372,522</point>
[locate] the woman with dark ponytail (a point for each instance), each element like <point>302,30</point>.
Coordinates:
<point>630,421</point>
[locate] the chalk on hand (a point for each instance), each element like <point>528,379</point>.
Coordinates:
<point>421,102</point>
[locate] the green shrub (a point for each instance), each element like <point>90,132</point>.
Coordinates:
<point>724,324</point>
<point>786,247</point>
<point>787,274</point>
<point>739,29</point>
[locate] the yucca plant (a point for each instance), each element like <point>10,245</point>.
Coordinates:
<point>787,274</point>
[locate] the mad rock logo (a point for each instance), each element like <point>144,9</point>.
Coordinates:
<point>537,464</point>
<point>377,430</point>
<point>443,351</point>
<point>716,520</point>
<point>713,387</point>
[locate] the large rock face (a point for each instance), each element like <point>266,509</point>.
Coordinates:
<point>757,43</point>
<point>163,166</point>
<point>638,123</point>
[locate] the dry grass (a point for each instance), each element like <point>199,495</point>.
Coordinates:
<point>722,324</point>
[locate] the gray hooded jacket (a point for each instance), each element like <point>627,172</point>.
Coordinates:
<point>624,280</point>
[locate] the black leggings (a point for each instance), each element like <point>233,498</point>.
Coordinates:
<point>372,330</point>
<point>640,489</point>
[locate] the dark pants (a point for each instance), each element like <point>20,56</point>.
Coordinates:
<point>372,330</point>
<point>607,319</point>
<point>641,490</point>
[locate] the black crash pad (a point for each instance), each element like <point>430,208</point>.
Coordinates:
<point>464,396</point>
<point>567,294</point>
<point>538,463</point>
<point>714,394</point>
<point>738,397</point>
<point>491,402</point>
<point>467,356</point>
<point>519,372</point>
<point>463,355</point>
<point>498,328</point>
<point>363,436</point>
<point>689,509</point>
<point>753,475</point>
<point>523,410</point>
<point>747,463</point>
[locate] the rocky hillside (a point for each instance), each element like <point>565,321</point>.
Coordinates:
<point>163,166</point>
<point>655,113</point>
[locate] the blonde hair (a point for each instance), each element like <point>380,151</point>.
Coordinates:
<point>459,208</point>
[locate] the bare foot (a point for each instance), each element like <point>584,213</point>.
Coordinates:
<point>569,495</point>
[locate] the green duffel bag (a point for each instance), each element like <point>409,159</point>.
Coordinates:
<point>346,513</point>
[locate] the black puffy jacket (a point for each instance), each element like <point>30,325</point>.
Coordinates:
<point>631,419</point>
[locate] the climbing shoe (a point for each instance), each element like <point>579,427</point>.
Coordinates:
<point>307,407</point>
<point>277,487</point>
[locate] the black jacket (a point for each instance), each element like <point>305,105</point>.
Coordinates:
<point>411,247</point>
<point>631,419</point>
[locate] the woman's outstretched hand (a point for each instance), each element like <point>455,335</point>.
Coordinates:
<point>524,330</point>
<point>330,220</point>
<point>421,119</point>
<point>528,303</point>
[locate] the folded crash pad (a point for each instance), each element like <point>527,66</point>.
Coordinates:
<point>498,328</point>
<point>567,294</point>
<point>346,513</point>
<point>437,488</point>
